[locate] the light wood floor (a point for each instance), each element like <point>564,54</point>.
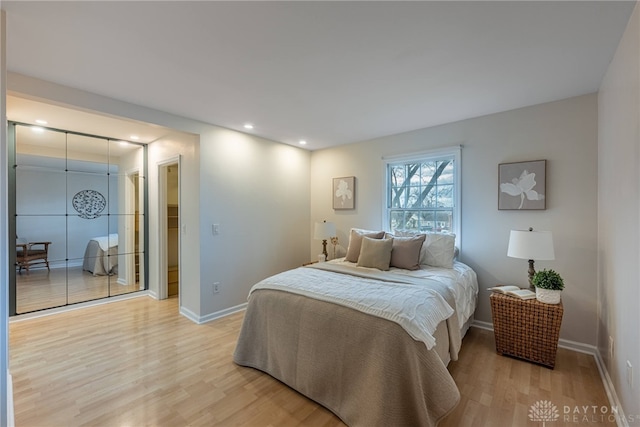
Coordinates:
<point>138,362</point>
<point>40,288</point>
<point>499,391</point>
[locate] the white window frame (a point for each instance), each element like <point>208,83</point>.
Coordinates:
<point>427,156</point>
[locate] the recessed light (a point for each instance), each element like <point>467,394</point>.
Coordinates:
<point>248,126</point>
<point>41,122</point>
<point>37,129</point>
<point>135,137</point>
<point>303,142</point>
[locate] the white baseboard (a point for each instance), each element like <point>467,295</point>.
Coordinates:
<point>77,306</point>
<point>578,346</point>
<point>213,316</point>
<point>621,420</point>
<point>65,264</point>
<point>568,344</point>
<point>223,313</point>
<point>190,315</point>
<point>592,350</point>
<point>482,325</point>
<point>11,421</point>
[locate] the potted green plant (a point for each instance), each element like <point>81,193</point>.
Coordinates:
<point>549,285</point>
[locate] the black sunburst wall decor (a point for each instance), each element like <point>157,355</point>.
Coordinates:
<point>89,203</point>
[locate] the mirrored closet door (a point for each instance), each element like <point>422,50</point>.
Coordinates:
<point>79,216</point>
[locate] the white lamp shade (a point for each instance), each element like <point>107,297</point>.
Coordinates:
<point>536,245</point>
<point>324,230</point>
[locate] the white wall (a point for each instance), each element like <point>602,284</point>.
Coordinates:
<point>256,190</point>
<point>161,151</point>
<point>4,234</point>
<point>619,216</point>
<point>563,132</point>
<point>258,193</point>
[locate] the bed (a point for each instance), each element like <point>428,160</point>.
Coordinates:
<point>101,255</point>
<point>370,345</point>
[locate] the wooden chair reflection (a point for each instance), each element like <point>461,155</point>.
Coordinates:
<point>32,253</point>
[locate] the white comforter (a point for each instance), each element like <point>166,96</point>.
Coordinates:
<point>392,296</point>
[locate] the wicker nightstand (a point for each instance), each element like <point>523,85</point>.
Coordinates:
<point>526,329</point>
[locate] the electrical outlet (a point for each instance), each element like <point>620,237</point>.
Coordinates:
<point>610,347</point>
<point>629,375</point>
<point>216,287</point>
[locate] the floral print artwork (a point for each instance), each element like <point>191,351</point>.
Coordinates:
<point>522,187</point>
<point>344,193</point>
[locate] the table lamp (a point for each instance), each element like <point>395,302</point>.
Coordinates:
<point>324,231</point>
<point>530,245</point>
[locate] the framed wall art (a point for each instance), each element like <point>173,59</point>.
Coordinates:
<point>344,193</point>
<point>89,203</point>
<point>522,185</point>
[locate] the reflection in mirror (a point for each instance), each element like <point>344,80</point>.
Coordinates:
<point>87,154</point>
<point>36,146</point>
<point>84,196</point>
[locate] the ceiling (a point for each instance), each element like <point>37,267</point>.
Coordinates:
<point>327,72</point>
<point>25,110</point>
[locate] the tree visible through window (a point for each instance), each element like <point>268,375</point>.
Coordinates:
<point>422,194</point>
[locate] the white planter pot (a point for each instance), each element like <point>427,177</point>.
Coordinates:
<point>549,296</point>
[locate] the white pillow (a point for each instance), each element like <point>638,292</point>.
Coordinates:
<point>438,249</point>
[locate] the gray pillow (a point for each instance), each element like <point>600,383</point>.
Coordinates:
<point>375,253</point>
<point>355,241</point>
<point>406,252</point>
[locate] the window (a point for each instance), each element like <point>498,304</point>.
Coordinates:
<point>423,192</point>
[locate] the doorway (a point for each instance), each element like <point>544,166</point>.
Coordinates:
<point>170,225</point>
<point>173,231</point>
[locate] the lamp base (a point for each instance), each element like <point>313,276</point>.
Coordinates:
<point>531,272</point>
<point>324,249</point>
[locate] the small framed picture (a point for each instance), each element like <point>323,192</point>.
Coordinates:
<point>344,192</point>
<point>522,185</point>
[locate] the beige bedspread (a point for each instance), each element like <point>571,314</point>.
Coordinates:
<point>406,301</point>
<point>98,261</point>
<point>365,369</point>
